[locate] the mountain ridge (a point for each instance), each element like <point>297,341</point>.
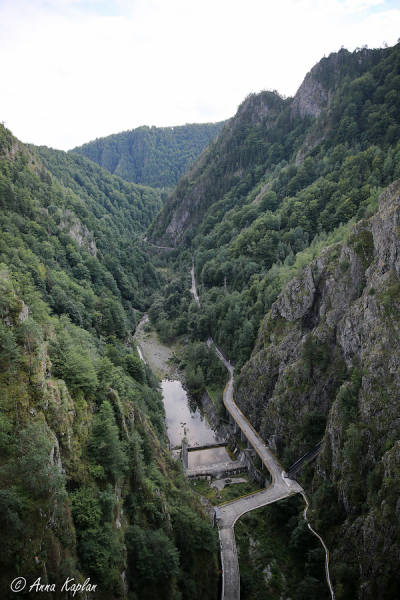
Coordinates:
<point>294,128</point>
<point>155,156</point>
<point>329,352</point>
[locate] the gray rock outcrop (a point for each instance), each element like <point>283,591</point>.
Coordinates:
<point>329,350</point>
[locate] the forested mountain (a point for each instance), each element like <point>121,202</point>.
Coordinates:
<point>86,486</point>
<point>282,218</point>
<point>325,367</point>
<point>154,156</point>
<point>283,177</point>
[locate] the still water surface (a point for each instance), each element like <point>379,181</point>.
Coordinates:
<point>183,417</point>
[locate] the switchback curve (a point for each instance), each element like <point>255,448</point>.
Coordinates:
<point>279,488</point>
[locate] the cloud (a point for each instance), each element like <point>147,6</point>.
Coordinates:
<point>74,70</point>
<point>346,7</point>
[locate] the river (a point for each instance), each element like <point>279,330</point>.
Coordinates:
<point>184,418</point>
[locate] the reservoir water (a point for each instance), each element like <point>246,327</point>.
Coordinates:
<point>211,456</point>
<point>184,418</point>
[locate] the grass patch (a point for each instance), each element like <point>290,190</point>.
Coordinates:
<point>216,395</point>
<point>230,492</point>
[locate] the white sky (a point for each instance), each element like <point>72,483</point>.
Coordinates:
<point>74,70</point>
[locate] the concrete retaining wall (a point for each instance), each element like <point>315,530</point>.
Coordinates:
<point>254,473</point>
<point>221,429</point>
<point>185,458</point>
<point>224,433</point>
<point>218,471</point>
<point>208,446</point>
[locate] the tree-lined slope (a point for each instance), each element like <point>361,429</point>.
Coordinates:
<point>86,486</point>
<point>104,215</point>
<point>325,366</point>
<point>346,104</point>
<point>284,173</point>
<point>154,156</point>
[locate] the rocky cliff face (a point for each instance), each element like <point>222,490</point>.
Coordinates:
<point>78,231</point>
<point>326,365</point>
<point>310,98</point>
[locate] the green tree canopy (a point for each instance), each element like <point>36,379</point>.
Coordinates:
<point>105,447</point>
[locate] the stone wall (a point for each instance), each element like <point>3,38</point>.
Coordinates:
<point>254,473</point>
<point>221,429</point>
<point>185,458</point>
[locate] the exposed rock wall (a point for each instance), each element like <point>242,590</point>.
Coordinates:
<point>78,232</point>
<point>329,352</point>
<point>310,98</point>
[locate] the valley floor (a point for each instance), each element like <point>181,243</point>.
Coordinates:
<point>156,354</point>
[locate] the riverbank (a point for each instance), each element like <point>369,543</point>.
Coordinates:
<point>185,418</point>
<point>157,355</point>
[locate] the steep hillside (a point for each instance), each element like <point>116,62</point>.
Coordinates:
<point>154,156</point>
<point>87,489</point>
<point>348,101</point>
<point>325,365</point>
<point>130,205</point>
<point>284,177</point>
<point>279,216</point>
<point>86,486</point>
<point>83,222</point>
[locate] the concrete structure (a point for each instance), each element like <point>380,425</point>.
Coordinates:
<point>309,457</point>
<point>185,458</point>
<point>222,431</point>
<point>256,475</point>
<point>217,471</point>
<point>207,446</point>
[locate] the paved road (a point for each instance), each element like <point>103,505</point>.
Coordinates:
<point>264,453</point>
<point>280,488</point>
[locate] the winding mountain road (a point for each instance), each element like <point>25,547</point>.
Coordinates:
<point>279,488</point>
